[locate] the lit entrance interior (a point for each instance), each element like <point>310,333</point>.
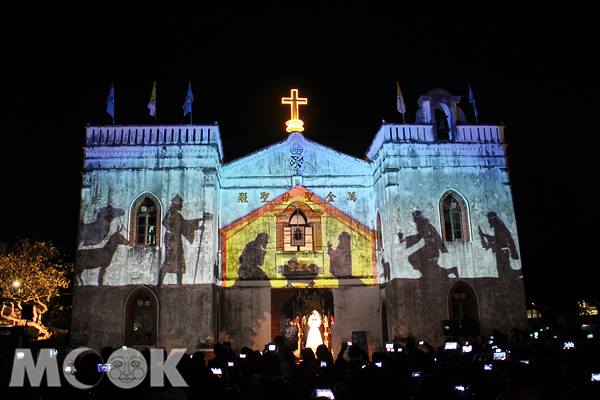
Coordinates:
<point>304,317</point>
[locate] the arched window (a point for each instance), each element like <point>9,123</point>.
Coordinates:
<point>141,313</point>
<point>378,232</point>
<point>298,229</point>
<point>454,218</point>
<point>299,233</point>
<point>145,222</point>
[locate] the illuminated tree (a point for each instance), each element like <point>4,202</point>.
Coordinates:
<point>32,274</point>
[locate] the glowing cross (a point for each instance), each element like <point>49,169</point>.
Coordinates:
<point>295,124</point>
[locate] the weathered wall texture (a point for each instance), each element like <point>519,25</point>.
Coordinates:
<point>418,307</point>
<point>357,309</point>
<point>246,316</point>
<point>185,315</point>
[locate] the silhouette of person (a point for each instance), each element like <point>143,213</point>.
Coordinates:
<point>176,226</point>
<point>502,245</point>
<point>425,259</point>
<point>340,259</point>
<point>252,257</point>
<point>386,269</point>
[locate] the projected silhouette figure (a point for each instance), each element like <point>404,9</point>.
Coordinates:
<point>425,260</point>
<point>502,245</point>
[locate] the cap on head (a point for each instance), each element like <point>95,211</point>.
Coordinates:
<point>177,200</point>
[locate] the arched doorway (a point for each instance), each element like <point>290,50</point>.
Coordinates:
<point>463,309</point>
<point>141,317</point>
<point>291,312</point>
<point>442,124</point>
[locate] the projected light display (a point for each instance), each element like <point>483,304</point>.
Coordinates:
<point>292,242</point>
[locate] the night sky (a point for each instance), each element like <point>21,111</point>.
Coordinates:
<point>531,70</point>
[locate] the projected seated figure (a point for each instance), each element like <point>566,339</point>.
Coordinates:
<point>252,257</point>
<point>340,259</point>
<point>313,338</point>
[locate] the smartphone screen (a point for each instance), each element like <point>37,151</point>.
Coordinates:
<point>450,345</point>
<point>324,393</point>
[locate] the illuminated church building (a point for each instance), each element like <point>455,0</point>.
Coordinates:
<point>178,249</point>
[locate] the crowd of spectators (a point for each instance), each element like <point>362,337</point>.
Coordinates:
<point>533,365</point>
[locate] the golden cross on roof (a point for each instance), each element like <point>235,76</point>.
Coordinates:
<point>295,124</point>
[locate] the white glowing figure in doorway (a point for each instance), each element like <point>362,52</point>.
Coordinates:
<point>314,339</point>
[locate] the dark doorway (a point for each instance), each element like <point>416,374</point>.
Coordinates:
<point>442,125</point>
<point>463,309</point>
<point>384,323</point>
<point>291,310</point>
<point>141,318</point>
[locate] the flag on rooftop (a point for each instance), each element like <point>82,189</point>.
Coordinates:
<point>152,103</point>
<point>110,102</point>
<point>400,100</point>
<point>472,101</point>
<point>189,99</point>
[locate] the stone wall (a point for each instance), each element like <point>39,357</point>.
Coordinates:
<point>418,307</point>
<point>186,315</point>
<point>245,316</point>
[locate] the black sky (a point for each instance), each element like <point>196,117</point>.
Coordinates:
<point>531,69</point>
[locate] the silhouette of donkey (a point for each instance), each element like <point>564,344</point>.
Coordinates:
<point>94,232</point>
<point>98,258</point>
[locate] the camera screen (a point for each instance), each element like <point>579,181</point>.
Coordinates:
<point>500,355</point>
<point>349,343</point>
<point>230,363</point>
<point>450,346</point>
<point>389,346</point>
<point>216,371</point>
<point>526,362</point>
<point>416,374</point>
<point>460,388</point>
<point>324,393</point>
<point>487,367</point>
<point>272,347</point>
<point>323,363</point>
<point>595,377</point>
<point>467,348</point>
<point>242,355</point>
<point>103,367</point>
<point>568,345</point>
<point>378,364</point>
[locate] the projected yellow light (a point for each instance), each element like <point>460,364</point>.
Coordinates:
<point>295,124</point>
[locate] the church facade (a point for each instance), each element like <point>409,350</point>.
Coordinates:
<point>177,249</point>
